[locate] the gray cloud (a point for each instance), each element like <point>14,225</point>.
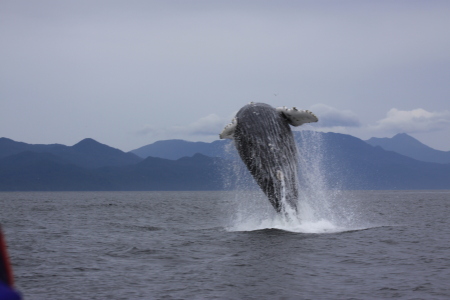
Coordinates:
<point>209,126</point>
<point>413,121</point>
<point>331,117</point>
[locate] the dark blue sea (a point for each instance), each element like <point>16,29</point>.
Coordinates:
<point>228,245</point>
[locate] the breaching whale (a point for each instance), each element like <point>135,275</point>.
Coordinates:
<point>266,145</point>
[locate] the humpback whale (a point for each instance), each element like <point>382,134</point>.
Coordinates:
<point>266,145</point>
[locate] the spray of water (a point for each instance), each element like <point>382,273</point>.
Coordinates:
<point>320,208</point>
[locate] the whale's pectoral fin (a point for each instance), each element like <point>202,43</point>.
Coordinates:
<point>228,131</point>
<point>297,117</point>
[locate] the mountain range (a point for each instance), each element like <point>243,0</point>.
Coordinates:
<point>401,143</point>
<point>88,153</point>
<point>409,146</point>
<point>174,149</point>
<point>90,165</point>
<point>344,162</point>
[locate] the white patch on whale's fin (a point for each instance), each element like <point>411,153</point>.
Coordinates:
<point>228,131</point>
<point>297,117</point>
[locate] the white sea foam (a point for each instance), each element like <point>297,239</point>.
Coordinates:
<point>320,209</point>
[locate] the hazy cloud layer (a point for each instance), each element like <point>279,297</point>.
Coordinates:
<point>210,125</point>
<point>396,121</point>
<point>413,121</point>
<point>207,127</point>
<point>331,117</point>
<point>107,69</point>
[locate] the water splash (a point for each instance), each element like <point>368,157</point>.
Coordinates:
<point>320,208</point>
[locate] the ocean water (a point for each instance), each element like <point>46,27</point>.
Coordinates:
<point>228,245</point>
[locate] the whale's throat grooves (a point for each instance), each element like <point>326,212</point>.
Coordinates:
<point>266,145</point>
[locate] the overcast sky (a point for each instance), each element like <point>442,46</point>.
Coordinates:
<point>128,73</point>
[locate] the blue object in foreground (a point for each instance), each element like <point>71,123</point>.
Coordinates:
<point>7,293</point>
